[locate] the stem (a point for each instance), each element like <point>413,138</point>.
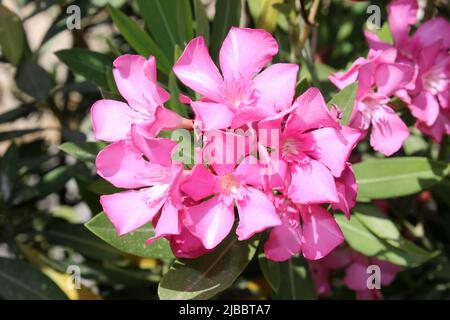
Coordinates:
<point>310,23</point>
<point>443,149</point>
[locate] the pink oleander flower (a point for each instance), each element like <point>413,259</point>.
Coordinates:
<point>381,71</point>
<point>212,219</point>
<point>313,150</point>
<point>239,95</point>
<point>356,275</point>
<point>135,78</point>
<point>428,51</point>
<point>145,165</point>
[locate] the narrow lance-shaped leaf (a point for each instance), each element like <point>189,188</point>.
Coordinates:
<point>201,20</point>
<point>20,281</point>
<point>138,39</point>
<point>210,274</point>
<point>133,242</point>
<point>396,177</point>
<point>377,222</point>
<point>228,14</point>
<point>86,151</point>
<point>91,65</point>
<point>296,282</point>
<point>12,38</point>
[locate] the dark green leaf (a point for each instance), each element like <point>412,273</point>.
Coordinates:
<point>395,177</point>
<point>201,20</point>
<point>133,242</point>
<point>228,14</point>
<point>54,180</point>
<point>14,114</point>
<point>206,276</point>
<point>91,65</point>
<point>169,22</point>
<point>7,135</point>
<point>271,271</point>
<point>174,102</point>
<point>76,236</point>
<point>21,281</point>
<point>138,39</point>
<point>32,79</point>
<point>86,151</point>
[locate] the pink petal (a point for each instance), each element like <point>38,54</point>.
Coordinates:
<point>319,274</point>
<point>311,113</point>
<point>432,31</point>
<point>312,183</point>
<point>425,107</point>
<point>321,233</point>
<point>388,271</point>
<point>256,213</point>
<point>374,41</point>
<point>168,222</point>
<point>347,190</point>
<point>122,165</point>
<point>200,183</point>
<point>111,120</point>
<point>333,147</point>
<point>136,80</point>
<point>212,115</point>
<point>356,275</point>
<point>196,70</point>
<point>210,221</point>
<point>157,150</point>
<point>130,210</point>
<point>245,52</point>
<point>276,85</point>
<point>390,77</point>
<point>402,14</point>
<point>388,132</point>
<point>284,240</point>
<point>440,128</point>
<point>186,245</point>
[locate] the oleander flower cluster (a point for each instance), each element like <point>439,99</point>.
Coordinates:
<point>265,160</point>
<point>414,69</point>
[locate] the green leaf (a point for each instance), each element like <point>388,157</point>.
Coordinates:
<point>201,20</point>
<point>206,276</point>
<point>21,281</point>
<point>296,282</point>
<point>7,135</point>
<point>12,37</point>
<point>133,242</point>
<point>14,114</point>
<point>228,14</point>
<point>405,253</point>
<point>174,102</point>
<point>86,151</point>
<point>76,236</point>
<point>396,177</point>
<point>54,180</point>
<point>138,39</point>
<point>32,79</point>
<point>169,22</point>
<point>359,237</point>
<point>91,65</point>
<point>377,222</point>
<point>345,100</point>
<point>302,86</point>
<point>385,33</point>
<point>9,165</point>
<point>270,270</point>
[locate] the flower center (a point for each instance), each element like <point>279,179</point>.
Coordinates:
<point>435,81</point>
<point>371,109</point>
<point>240,93</point>
<point>230,184</point>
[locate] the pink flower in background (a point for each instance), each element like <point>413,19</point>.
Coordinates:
<point>238,95</point>
<point>356,274</point>
<point>371,107</point>
<point>135,78</point>
<point>427,50</point>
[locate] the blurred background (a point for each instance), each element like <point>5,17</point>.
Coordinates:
<point>48,192</point>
